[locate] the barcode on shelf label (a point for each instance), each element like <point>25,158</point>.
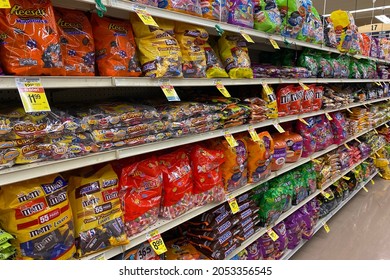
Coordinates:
<point>326,227</point>
<point>222,89</point>
<point>255,137</point>
<point>274,44</point>
<point>156,242</point>
<point>5,4</point>
<point>230,139</point>
<point>272,234</point>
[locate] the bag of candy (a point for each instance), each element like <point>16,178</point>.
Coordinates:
<point>280,154</point>
<point>271,102</point>
<point>30,43</point>
<point>77,43</point>
<point>178,184</point>
<point>330,33</point>
<point>241,13</point>
<point>214,66</point>
<point>215,9</point>
<point>115,47</point>
<point>96,210</point>
<point>234,55</point>
<point>293,15</point>
<point>191,7</point>
<point>267,16</point>
<point>141,186</point>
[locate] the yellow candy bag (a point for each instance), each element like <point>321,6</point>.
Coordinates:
<point>234,55</point>
<point>214,67</point>
<point>37,212</point>
<point>159,51</point>
<point>192,40</point>
<point>270,98</point>
<point>97,211</point>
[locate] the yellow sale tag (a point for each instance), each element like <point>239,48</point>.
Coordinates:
<point>267,88</point>
<point>32,94</point>
<point>146,18</point>
<point>271,233</point>
<point>316,161</point>
<point>386,125</point>
<point>156,242</point>
<point>4,4</point>
<point>380,174</point>
<point>346,178</point>
<point>378,154</point>
<point>170,92</point>
<point>255,137</point>
<point>365,189</point>
<point>376,131</point>
<point>247,37</point>
<point>358,140</point>
<point>230,139</point>
<point>372,182</point>
<point>328,116</point>
<point>234,205</point>
<point>222,89</point>
<point>303,121</point>
<point>305,87</point>
<point>279,128</point>
<point>346,146</point>
<point>274,44</point>
<point>378,84</point>
<point>349,110</point>
<point>326,227</point>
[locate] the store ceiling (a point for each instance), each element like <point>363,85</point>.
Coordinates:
<point>351,5</point>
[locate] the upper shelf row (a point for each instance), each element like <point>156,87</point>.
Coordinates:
<point>120,9</point>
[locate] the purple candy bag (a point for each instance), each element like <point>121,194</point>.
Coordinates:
<point>253,251</point>
<point>266,247</point>
<point>241,13</point>
<point>282,242</point>
<point>294,230</point>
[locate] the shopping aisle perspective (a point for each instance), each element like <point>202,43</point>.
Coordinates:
<point>359,231</point>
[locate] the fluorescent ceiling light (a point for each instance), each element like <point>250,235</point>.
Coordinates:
<point>383,18</point>
<point>367,10</point>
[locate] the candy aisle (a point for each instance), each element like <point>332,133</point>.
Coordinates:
<point>234,132</point>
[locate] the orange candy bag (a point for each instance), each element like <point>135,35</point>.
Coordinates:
<point>29,40</point>
<point>77,45</point>
<point>115,47</point>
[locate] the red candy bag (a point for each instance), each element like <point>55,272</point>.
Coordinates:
<point>77,43</point>
<point>283,95</point>
<point>317,101</point>
<point>307,101</point>
<point>208,184</point>
<point>115,47</point>
<point>29,40</point>
<point>177,190</point>
<point>141,187</point>
<point>297,94</point>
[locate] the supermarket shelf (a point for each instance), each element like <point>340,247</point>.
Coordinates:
<point>321,222</point>
<point>34,170</point>
<point>210,25</point>
<point>48,82</point>
<point>165,225</point>
<point>262,231</point>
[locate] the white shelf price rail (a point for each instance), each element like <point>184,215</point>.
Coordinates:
<point>34,170</point>
<point>289,253</point>
<point>262,231</point>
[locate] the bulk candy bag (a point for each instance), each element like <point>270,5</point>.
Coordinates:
<point>241,13</point>
<point>159,51</point>
<point>280,154</point>
<point>97,212</point>
<point>29,43</point>
<point>191,7</point>
<point>178,184</point>
<point>77,42</point>
<point>267,16</point>
<point>140,193</point>
<point>215,9</point>
<point>37,212</point>
<point>191,40</point>
<point>115,47</point>
<point>293,17</point>
<point>206,169</point>
<point>234,56</point>
<point>294,145</point>
<point>214,66</point>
